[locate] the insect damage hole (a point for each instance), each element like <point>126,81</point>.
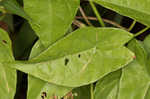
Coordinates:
<point>4,41</point>
<point>79,55</point>
<point>66,61</point>
<point>44,95</point>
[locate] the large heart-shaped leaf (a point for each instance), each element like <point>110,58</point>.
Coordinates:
<point>138,10</point>
<point>7,75</point>
<point>51,19</point>
<point>82,57</point>
<point>134,80</point>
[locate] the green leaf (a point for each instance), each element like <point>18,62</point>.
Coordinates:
<point>5,47</point>
<point>7,75</point>
<point>146,43</point>
<point>13,7</point>
<point>82,92</point>
<point>37,88</point>
<point>85,39</point>
<point>23,42</point>
<point>84,56</point>
<point>41,86</point>
<point>138,10</point>
<point>7,82</point>
<point>134,80</point>
<point>107,87</point>
<point>51,19</point>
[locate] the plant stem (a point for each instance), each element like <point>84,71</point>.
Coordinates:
<point>78,23</point>
<point>97,14</point>
<point>92,93</point>
<point>132,25</point>
<point>140,32</point>
<point>85,17</point>
<point>105,20</point>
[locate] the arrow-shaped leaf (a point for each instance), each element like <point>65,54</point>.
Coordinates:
<point>82,57</point>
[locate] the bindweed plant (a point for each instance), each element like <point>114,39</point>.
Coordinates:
<point>74,49</point>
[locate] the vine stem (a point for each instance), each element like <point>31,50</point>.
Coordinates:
<point>91,91</point>
<point>132,25</point>
<point>97,14</point>
<point>85,17</point>
<point>140,32</point>
<point>78,23</point>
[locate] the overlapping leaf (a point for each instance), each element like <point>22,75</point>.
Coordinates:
<point>82,57</point>
<point>13,7</point>
<point>38,89</point>
<point>107,87</point>
<point>22,46</point>
<point>133,82</point>
<point>82,92</point>
<point>7,75</point>
<point>5,47</point>
<point>51,19</point>
<point>138,10</point>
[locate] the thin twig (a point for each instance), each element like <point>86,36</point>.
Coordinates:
<point>85,17</point>
<point>78,23</point>
<point>105,20</point>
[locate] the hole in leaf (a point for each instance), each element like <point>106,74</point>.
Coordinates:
<point>42,97</point>
<point>4,41</point>
<point>79,55</point>
<point>66,61</point>
<point>44,94</point>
